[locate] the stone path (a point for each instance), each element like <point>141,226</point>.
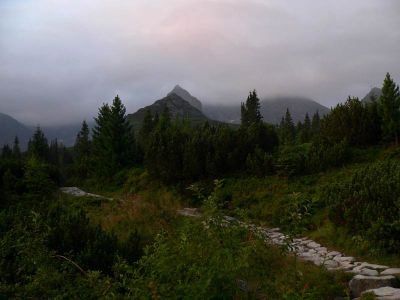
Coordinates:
<point>368,278</point>
<point>376,279</point>
<point>75,191</point>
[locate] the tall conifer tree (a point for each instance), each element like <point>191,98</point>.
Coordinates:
<point>389,109</point>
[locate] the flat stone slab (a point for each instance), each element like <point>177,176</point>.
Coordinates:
<point>391,271</point>
<point>384,293</point>
<point>189,212</point>
<point>369,272</point>
<point>313,245</point>
<point>373,266</point>
<point>77,192</point>
<point>361,283</point>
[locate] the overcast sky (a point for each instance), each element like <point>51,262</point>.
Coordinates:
<point>61,59</point>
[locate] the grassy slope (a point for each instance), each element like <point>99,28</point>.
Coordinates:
<point>151,208</point>
<point>270,200</point>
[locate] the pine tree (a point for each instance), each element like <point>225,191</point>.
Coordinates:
<point>113,140</point>
<point>288,130</point>
<point>389,109</point>
<point>146,129</point>
<point>82,151</point>
<point>315,124</point>
<point>307,129</point>
<point>250,111</point>
<point>16,151</point>
<point>38,146</point>
<point>6,152</point>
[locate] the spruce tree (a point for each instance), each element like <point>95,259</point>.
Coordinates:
<point>6,152</point>
<point>389,109</point>
<point>315,124</point>
<point>289,130</point>
<point>307,129</point>
<point>82,152</point>
<point>16,151</point>
<point>250,111</point>
<point>146,129</point>
<point>38,146</point>
<point>113,140</point>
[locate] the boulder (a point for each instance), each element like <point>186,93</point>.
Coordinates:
<point>384,293</point>
<point>361,283</point>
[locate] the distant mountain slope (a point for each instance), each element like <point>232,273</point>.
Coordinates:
<point>374,92</point>
<point>65,134</point>
<point>272,110</point>
<point>177,106</point>
<point>185,95</point>
<point>10,127</point>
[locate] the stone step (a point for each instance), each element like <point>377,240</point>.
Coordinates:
<point>361,283</point>
<point>384,293</point>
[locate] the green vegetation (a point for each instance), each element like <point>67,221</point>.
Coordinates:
<point>335,179</point>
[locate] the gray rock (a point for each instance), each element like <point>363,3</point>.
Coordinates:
<point>369,272</point>
<point>385,293</point>
<point>391,271</point>
<point>331,264</point>
<point>373,266</point>
<point>313,244</point>
<point>322,249</point>
<point>333,253</point>
<point>361,283</point>
<point>189,212</point>
<point>344,258</point>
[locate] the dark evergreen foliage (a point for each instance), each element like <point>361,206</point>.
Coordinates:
<point>38,146</point>
<point>250,111</point>
<point>389,110</point>
<point>82,153</point>
<point>114,146</point>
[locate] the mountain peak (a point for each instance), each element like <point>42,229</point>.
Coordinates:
<point>185,95</point>
<point>374,93</point>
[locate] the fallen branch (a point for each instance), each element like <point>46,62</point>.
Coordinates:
<point>71,262</point>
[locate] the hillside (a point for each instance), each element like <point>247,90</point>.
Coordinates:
<point>10,128</point>
<point>272,109</point>
<point>178,108</point>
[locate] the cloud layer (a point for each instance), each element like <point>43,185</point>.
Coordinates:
<point>60,59</point>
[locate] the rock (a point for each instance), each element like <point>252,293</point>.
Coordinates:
<point>331,264</point>
<point>77,192</point>
<point>346,266</point>
<point>361,283</point>
<point>369,272</point>
<point>391,271</point>
<point>385,293</point>
<point>189,212</point>
<point>231,219</point>
<point>373,266</point>
<point>313,245</point>
<point>333,253</point>
<point>344,258</point>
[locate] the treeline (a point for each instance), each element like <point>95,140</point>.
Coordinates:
<point>174,151</point>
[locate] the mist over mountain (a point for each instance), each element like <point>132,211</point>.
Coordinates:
<point>10,128</point>
<point>181,104</point>
<point>272,110</point>
<point>373,93</point>
<point>177,107</point>
<point>185,95</point>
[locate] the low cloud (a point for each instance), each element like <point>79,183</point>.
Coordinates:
<point>60,60</point>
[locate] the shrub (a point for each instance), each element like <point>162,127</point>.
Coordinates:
<point>369,205</point>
